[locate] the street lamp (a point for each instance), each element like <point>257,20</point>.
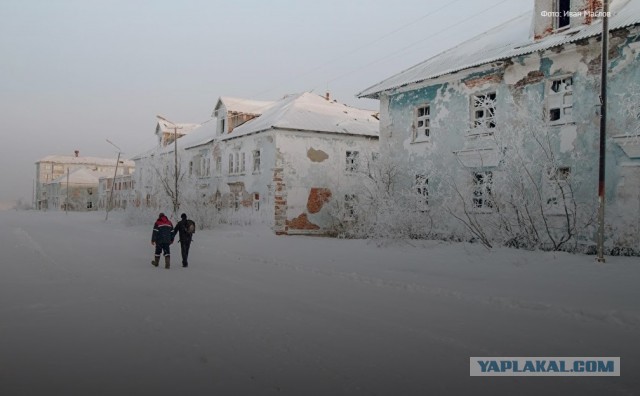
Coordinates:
<point>113,183</point>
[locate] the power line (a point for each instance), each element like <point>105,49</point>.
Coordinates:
<point>351,52</point>
<point>416,42</point>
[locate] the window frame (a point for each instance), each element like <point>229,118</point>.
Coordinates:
<point>418,135</point>
<point>481,191</point>
<point>556,20</point>
<point>551,95</point>
<point>421,189</point>
<point>352,161</point>
<point>481,122</point>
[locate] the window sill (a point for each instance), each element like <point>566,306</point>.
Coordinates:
<point>561,123</point>
<point>472,134</point>
<point>418,141</point>
<point>481,211</point>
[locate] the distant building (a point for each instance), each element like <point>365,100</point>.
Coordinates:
<point>77,192</point>
<point>53,167</point>
<point>122,195</point>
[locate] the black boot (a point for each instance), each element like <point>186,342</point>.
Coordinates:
<point>167,261</point>
<point>155,261</point>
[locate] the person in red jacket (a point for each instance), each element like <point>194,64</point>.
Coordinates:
<point>162,238</point>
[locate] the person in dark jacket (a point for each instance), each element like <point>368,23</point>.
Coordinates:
<point>185,237</point>
<point>162,238</point>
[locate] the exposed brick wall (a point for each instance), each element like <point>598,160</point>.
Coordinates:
<point>301,223</point>
<point>280,202</point>
<point>317,198</point>
<point>532,77</point>
<point>478,81</point>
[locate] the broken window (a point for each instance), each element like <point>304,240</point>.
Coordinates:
<point>558,190</point>
<point>256,161</point>
<point>422,123</point>
<point>560,100</point>
<point>352,161</point>
<point>349,206</point>
<point>190,168</point>
<point>482,190</point>
<point>256,202</point>
<point>562,11</point>
<point>421,189</point>
<point>242,163</point>
<point>236,168</point>
<point>484,110</point>
<point>230,163</point>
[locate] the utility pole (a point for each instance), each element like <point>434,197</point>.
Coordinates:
<point>603,129</point>
<point>113,183</point>
<point>66,205</point>
<point>175,162</point>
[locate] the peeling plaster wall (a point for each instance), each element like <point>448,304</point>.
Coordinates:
<point>575,144</point>
<point>310,186</point>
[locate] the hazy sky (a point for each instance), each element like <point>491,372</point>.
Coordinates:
<point>76,72</point>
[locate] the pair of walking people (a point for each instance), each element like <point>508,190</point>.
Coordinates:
<point>164,234</point>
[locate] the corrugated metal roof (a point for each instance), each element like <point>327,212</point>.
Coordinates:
<point>508,40</point>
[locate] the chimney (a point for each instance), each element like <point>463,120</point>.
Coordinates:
<point>326,96</point>
<point>77,152</point>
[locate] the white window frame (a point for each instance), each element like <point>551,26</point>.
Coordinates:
<point>218,164</point>
<point>556,178</point>
<point>559,100</point>
<point>421,188</point>
<point>422,123</point>
<point>481,191</point>
<point>483,110</point>
<point>256,161</point>
<point>231,163</point>
<point>352,161</point>
<point>350,207</point>
<point>236,166</point>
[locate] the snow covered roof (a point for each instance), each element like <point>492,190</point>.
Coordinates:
<point>166,126</point>
<point>244,106</point>
<point>508,40</point>
<point>203,134</point>
<point>80,176</point>
<point>311,112</point>
<point>67,159</point>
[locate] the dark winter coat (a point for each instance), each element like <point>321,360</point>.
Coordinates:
<point>181,229</point>
<point>162,231</point>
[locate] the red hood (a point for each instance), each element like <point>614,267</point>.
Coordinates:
<point>163,221</point>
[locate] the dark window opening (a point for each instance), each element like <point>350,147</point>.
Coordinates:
<point>564,6</point>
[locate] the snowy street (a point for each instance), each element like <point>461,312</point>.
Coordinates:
<point>85,313</point>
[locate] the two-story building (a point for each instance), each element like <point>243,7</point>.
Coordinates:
<point>284,159</point>
<point>501,133</point>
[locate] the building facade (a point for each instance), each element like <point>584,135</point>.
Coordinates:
<point>286,160</point>
<point>53,167</point>
<point>509,122</point>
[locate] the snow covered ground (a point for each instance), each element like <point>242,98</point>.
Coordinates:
<point>83,312</point>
